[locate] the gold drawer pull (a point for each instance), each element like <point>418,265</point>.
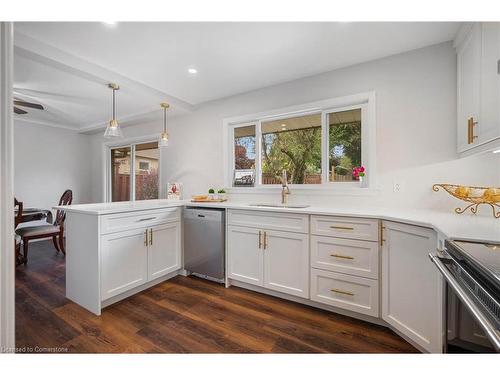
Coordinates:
<point>338,227</point>
<point>260,239</point>
<point>342,292</point>
<point>341,256</point>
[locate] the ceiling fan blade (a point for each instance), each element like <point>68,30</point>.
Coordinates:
<point>28,104</point>
<point>19,111</point>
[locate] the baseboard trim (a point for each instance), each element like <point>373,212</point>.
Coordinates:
<point>351,314</point>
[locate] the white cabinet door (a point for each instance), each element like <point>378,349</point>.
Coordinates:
<point>245,258</point>
<point>164,254</point>
<point>489,127</point>
<point>468,87</point>
<point>124,262</point>
<point>286,262</point>
<point>412,288</point>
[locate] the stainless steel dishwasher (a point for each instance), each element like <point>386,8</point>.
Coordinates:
<point>204,242</point>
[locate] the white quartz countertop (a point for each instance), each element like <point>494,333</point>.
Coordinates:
<point>465,226</point>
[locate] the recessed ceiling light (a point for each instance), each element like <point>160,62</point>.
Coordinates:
<point>192,71</point>
<point>283,125</point>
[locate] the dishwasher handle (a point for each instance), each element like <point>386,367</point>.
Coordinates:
<point>489,329</point>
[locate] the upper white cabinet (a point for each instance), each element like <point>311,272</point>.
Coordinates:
<point>478,85</point>
<point>412,288</point>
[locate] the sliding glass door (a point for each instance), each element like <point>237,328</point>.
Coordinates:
<point>134,172</point>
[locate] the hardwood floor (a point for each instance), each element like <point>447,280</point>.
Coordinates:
<point>182,315</point>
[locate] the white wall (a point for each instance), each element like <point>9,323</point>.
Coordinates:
<point>416,131</point>
<point>49,160</point>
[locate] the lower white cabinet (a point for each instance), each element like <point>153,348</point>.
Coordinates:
<point>412,288</point>
<point>164,250</point>
<point>124,262</point>
<point>286,262</point>
<point>349,292</point>
<point>133,257</point>
<point>272,259</point>
<point>245,255</point>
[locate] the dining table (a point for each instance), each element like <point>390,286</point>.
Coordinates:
<point>35,214</point>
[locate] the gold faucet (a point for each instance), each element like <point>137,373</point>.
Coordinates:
<point>285,191</point>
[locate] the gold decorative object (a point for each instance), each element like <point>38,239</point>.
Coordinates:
<point>474,195</point>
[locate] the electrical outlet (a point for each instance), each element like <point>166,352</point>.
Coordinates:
<point>398,186</point>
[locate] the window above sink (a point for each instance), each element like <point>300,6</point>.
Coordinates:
<point>318,144</point>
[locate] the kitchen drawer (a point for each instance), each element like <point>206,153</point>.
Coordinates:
<point>345,227</point>
<point>353,257</point>
<point>130,220</point>
<point>348,292</point>
<point>269,220</point>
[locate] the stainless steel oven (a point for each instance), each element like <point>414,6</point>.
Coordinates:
<point>472,274</point>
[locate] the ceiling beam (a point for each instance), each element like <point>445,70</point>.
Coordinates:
<point>44,53</point>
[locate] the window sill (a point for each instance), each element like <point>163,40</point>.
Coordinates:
<point>351,190</point>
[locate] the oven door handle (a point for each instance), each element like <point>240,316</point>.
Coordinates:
<point>492,333</point>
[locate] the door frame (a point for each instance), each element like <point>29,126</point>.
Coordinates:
<point>7,268</point>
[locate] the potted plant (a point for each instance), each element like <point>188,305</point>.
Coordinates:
<point>359,174</point>
<point>211,194</point>
<point>222,194</point>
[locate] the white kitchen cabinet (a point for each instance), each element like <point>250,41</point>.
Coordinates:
<point>412,288</point>
<point>489,127</point>
<point>478,87</point>
<point>133,257</point>
<point>286,262</point>
<point>112,255</point>
<point>164,250</point>
<point>276,260</point>
<point>124,262</point>
<point>245,255</point>
<point>468,87</point>
<point>353,293</point>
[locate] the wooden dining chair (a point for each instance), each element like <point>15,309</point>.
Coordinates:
<point>56,230</point>
<point>18,218</point>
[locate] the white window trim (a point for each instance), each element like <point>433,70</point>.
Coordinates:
<point>365,101</point>
<point>125,142</point>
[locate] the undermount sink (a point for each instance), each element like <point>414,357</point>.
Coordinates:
<point>279,205</point>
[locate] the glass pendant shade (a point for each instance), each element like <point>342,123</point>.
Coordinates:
<point>163,139</point>
<point>113,129</point>
<point>163,142</point>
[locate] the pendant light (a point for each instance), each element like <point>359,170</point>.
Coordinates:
<point>164,135</point>
<point>113,129</point>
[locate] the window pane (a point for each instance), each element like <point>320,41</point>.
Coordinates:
<point>120,174</point>
<point>344,129</point>
<point>146,171</point>
<point>244,147</point>
<point>293,144</point>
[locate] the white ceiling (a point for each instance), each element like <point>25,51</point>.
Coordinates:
<point>71,62</point>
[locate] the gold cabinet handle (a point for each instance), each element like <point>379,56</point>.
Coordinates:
<point>151,237</point>
<point>382,240</point>
<point>342,292</point>
<point>146,237</point>
<point>339,227</point>
<point>265,240</point>
<point>260,239</point>
<point>470,130</point>
<point>341,256</point>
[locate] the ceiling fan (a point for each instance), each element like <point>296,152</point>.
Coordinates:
<point>22,103</point>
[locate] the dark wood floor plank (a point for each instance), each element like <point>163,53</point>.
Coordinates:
<point>182,315</point>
